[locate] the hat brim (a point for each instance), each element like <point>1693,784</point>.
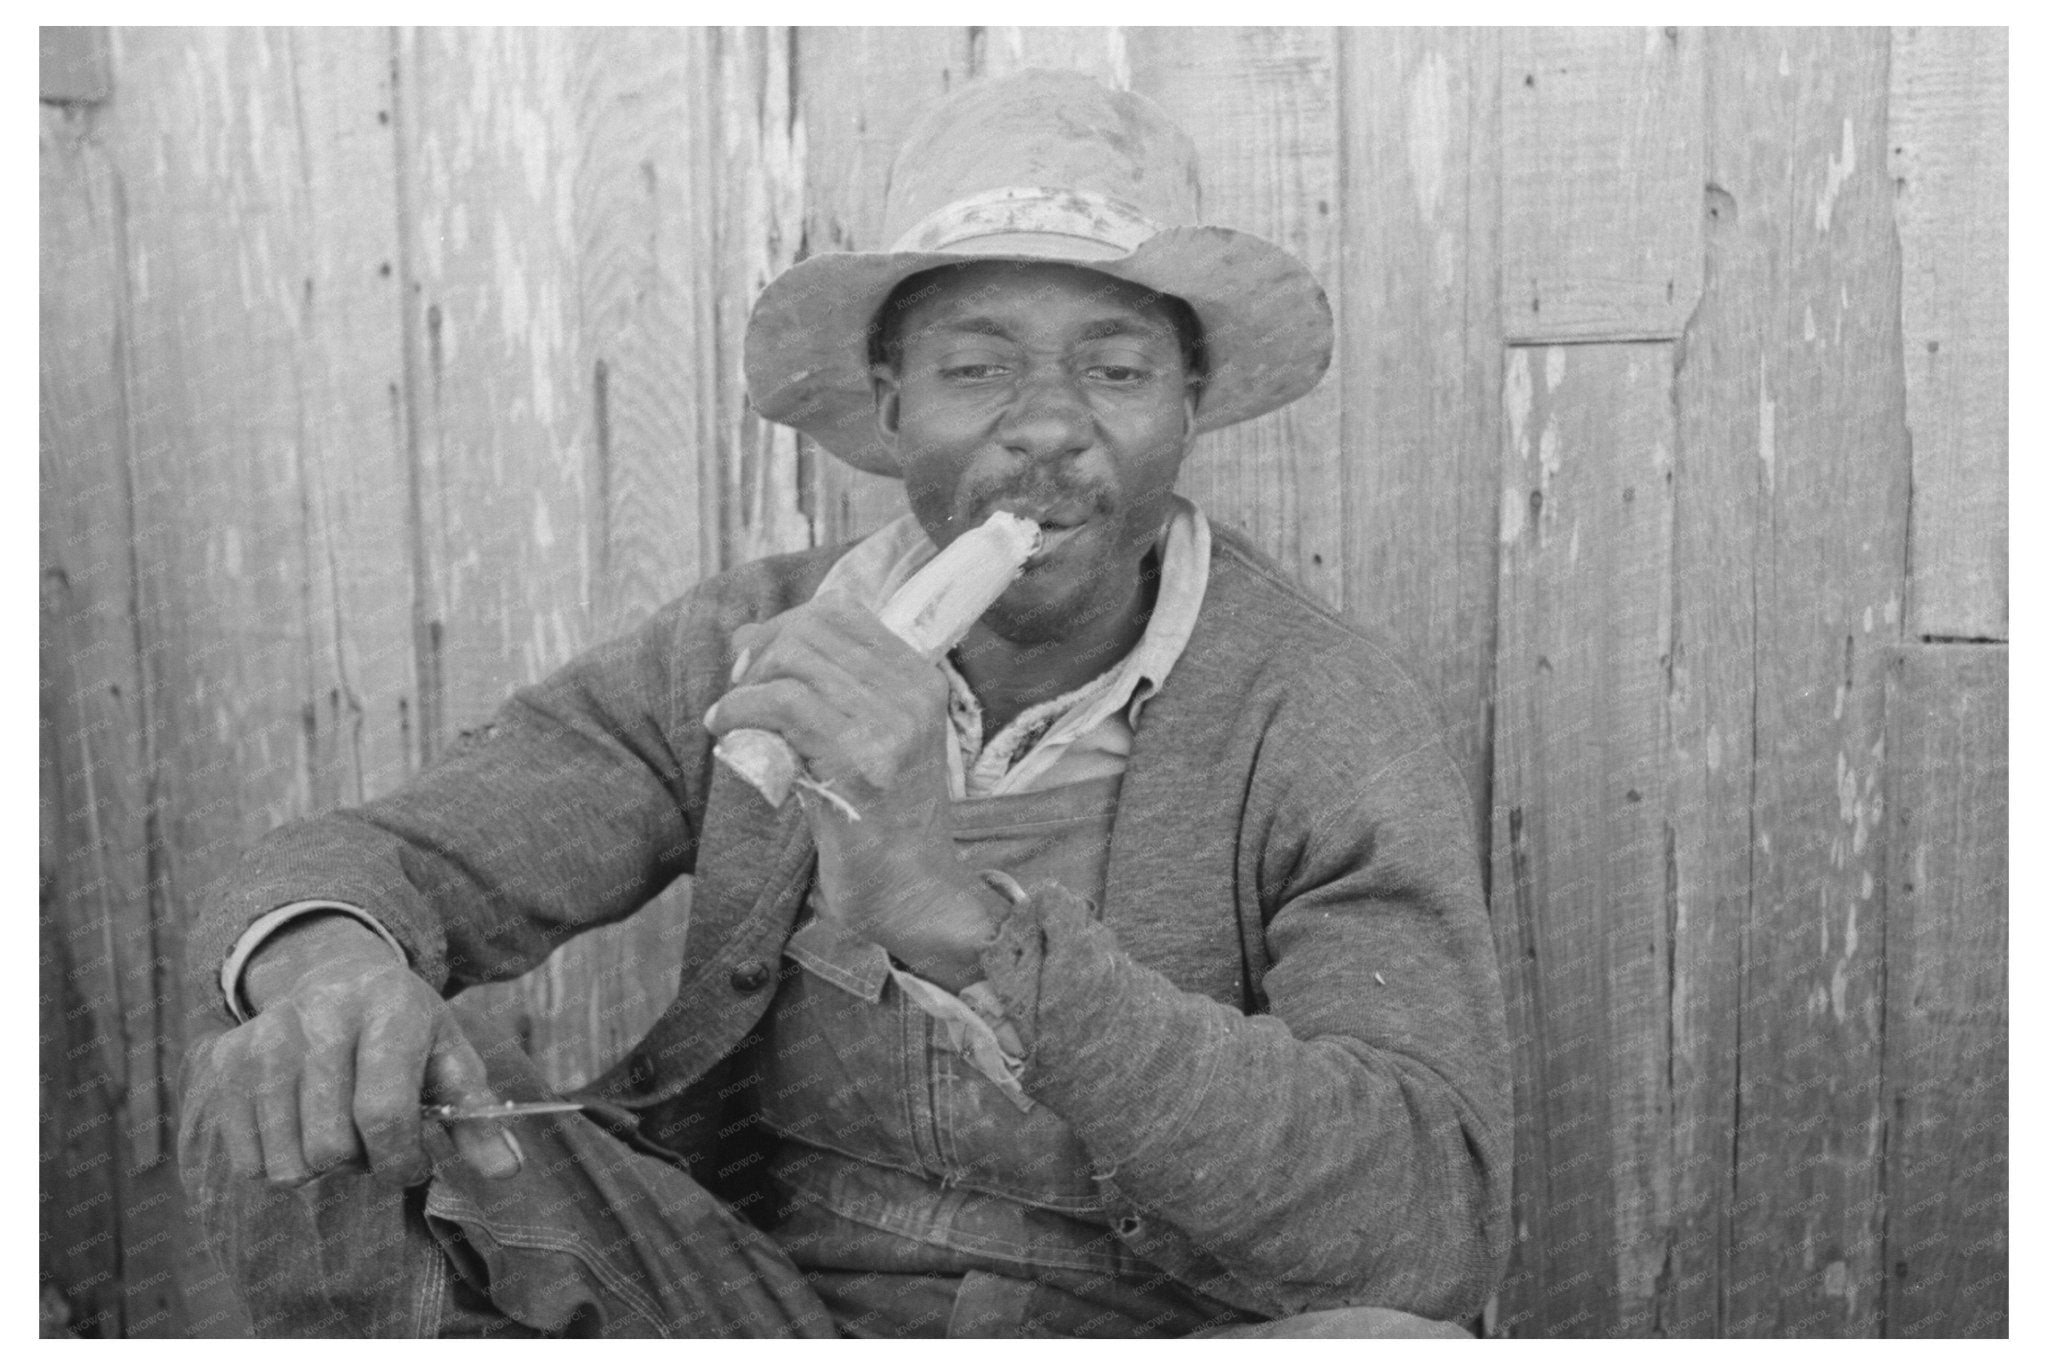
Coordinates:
<point>1265,321</point>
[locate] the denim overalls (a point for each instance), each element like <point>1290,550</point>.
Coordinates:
<point>902,1168</point>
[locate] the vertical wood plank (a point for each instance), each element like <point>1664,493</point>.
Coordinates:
<point>1420,387</point>
<point>226,425</point>
<point>1947,157</point>
<point>1814,246</point>
<point>1099,52</point>
<point>646,217</point>
<point>359,719</point>
<point>1946,1012</point>
<point>488,153</point>
<point>860,89</point>
<point>1712,710</point>
<point>94,921</point>
<point>1580,805</point>
<point>1601,180</point>
<point>93,678</point>
<point>488,149</point>
<point>559,229</point>
<point>73,67</point>
<point>767,490</point>
<point>1261,106</point>
<point>647,204</point>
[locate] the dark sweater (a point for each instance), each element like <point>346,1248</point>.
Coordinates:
<point>1347,1143</point>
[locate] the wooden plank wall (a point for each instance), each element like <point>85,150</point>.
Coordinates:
<point>382,371</point>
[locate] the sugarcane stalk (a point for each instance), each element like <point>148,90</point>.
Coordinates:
<point>930,613</point>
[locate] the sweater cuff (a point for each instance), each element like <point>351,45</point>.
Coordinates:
<point>258,933</point>
<point>1110,1045</point>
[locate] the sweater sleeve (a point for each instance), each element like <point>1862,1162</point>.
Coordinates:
<point>571,808</point>
<point>1351,1146</point>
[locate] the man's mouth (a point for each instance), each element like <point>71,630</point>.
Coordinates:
<point>1060,522</point>
<point>1055,537</point>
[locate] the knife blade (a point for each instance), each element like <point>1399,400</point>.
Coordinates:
<point>451,1113</point>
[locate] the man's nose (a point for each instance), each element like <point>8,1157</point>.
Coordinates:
<point>1048,417</point>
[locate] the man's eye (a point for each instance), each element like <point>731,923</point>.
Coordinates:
<point>971,370</point>
<point>1120,374</point>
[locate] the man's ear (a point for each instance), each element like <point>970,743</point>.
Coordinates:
<point>888,391</point>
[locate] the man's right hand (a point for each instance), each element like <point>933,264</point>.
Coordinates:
<point>346,1045</point>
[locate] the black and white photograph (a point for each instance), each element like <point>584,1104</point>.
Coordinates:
<point>1023,682</point>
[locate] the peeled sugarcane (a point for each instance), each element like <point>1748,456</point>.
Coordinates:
<point>930,613</point>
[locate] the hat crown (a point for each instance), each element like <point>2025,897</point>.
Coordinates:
<point>1043,129</point>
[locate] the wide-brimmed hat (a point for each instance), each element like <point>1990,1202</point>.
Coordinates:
<point>1039,166</point>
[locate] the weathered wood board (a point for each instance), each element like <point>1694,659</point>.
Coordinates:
<point>860,90</point>
<point>1420,388</point>
<point>1261,106</point>
<point>1712,753</point>
<point>557,440</point>
<point>383,370</point>
<point>1946,1056</point>
<point>1600,182</point>
<point>767,483</point>
<point>241,408</point>
<point>101,1074</point>
<point>1947,158</point>
<point>1581,811</point>
<point>1812,245</point>
<point>1100,52</point>
<point>73,66</point>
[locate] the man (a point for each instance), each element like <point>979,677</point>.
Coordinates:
<point>1151,992</point>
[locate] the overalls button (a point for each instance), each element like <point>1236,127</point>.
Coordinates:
<point>750,976</point>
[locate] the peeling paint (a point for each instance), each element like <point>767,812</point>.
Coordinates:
<point>1807,329</point>
<point>1513,514</point>
<point>1839,170</point>
<point>1713,748</point>
<point>1553,367</point>
<point>543,528</point>
<point>1521,396</point>
<point>1766,426</point>
<point>515,313</point>
<point>1546,450</point>
<point>1429,132</point>
<point>1119,59</point>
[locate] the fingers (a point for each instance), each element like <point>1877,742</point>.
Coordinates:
<point>849,697</point>
<point>327,1128</point>
<point>455,1075</point>
<point>238,1135</point>
<point>833,626</point>
<point>390,1059</point>
<point>786,706</point>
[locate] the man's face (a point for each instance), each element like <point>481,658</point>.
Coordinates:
<point>1053,392</point>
